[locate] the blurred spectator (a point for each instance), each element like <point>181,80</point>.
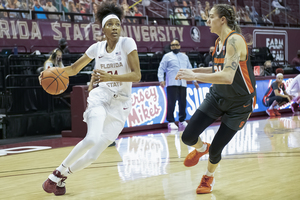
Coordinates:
<point>207,9</point>
<point>208,58</point>
<point>174,17</point>
<point>50,8</point>
<point>125,8</point>
<point>55,60</point>
<point>268,68</point>
<point>192,9</point>
<point>73,9</point>
<point>180,15</point>
<point>186,9</point>
<point>82,9</point>
<point>63,46</point>
<point>296,60</point>
<point>63,6</point>
<point>137,13</point>
<point>38,7</point>
<point>94,6</point>
<point>2,4</point>
<point>200,15</point>
<point>13,5</point>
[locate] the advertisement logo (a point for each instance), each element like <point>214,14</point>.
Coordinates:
<point>275,40</point>
<point>148,106</point>
<point>195,34</point>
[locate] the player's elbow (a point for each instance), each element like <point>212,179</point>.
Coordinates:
<point>137,77</point>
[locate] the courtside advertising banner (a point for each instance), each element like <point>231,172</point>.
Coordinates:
<point>149,104</point>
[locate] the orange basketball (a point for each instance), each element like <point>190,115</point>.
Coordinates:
<point>55,80</point>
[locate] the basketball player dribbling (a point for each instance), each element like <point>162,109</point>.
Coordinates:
<point>232,95</point>
<point>116,67</point>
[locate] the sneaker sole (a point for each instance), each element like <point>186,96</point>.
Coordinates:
<point>48,191</point>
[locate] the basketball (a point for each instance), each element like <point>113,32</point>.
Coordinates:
<point>55,80</point>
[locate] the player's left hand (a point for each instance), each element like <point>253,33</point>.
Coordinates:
<point>185,74</point>
<point>101,76</point>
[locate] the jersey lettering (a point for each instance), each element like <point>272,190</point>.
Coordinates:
<point>218,68</point>
<point>111,72</point>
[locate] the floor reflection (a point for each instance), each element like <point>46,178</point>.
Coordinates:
<point>143,156</point>
<point>149,155</point>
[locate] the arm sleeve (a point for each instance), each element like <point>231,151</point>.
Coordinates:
<point>161,69</point>
<point>129,45</point>
<point>91,52</point>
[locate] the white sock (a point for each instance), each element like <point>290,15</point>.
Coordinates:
<point>203,148</point>
<point>67,172</point>
<point>61,168</point>
<point>209,174</point>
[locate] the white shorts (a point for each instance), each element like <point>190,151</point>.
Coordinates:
<point>117,108</point>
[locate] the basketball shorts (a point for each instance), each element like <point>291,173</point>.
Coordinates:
<point>234,114</point>
<point>117,107</point>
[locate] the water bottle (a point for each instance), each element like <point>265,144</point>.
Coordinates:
<point>195,65</point>
<point>15,50</point>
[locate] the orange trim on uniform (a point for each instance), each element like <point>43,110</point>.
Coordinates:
<point>254,102</point>
<point>216,44</point>
<point>218,60</point>
<point>245,73</point>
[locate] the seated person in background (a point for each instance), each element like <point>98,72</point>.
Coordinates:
<point>55,60</point>
<point>273,98</point>
<point>63,46</point>
<point>208,58</point>
<point>268,68</point>
<point>50,8</point>
<point>296,60</point>
<point>294,90</point>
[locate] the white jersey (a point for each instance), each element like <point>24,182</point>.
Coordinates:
<point>115,63</point>
<point>294,86</point>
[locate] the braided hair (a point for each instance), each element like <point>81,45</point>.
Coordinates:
<point>228,12</point>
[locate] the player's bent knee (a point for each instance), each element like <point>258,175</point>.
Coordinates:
<point>186,139</point>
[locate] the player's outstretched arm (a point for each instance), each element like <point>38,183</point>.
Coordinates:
<point>78,65</point>
<point>231,63</point>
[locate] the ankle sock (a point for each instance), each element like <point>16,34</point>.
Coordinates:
<point>203,148</point>
<point>209,173</point>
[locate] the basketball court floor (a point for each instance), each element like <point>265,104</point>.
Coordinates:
<point>262,162</point>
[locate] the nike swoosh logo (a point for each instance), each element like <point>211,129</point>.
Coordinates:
<point>100,56</point>
<point>125,108</point>
<point>246,105</point>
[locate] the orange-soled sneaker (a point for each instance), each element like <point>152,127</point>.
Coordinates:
<point>206,185</point>
<point>270,113</point>
<point>276,112</point>
<point>193,158</point>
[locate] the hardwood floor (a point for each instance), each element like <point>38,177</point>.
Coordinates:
<point>261,162</point>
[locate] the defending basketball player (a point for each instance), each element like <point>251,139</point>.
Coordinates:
<point>231,97</point>
<point>116,67</point>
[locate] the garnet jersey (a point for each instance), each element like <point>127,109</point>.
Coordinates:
<point>115,63</point>
<point>243,85</point>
